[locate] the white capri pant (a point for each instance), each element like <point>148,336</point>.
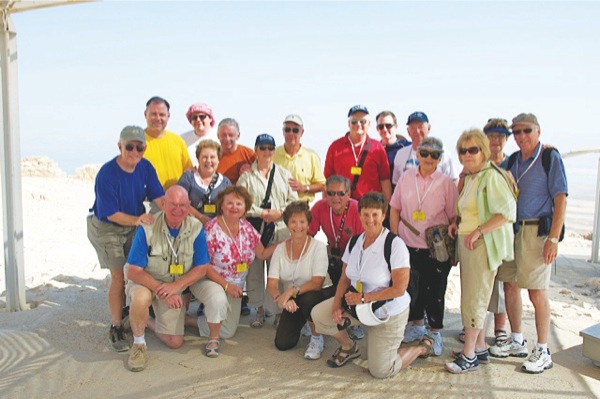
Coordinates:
<point>218,308</point>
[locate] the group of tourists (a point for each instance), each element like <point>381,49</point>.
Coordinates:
<point>200,214</point>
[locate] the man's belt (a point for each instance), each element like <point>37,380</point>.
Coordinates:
<point>528,222</point>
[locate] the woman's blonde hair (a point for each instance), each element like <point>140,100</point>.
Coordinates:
<point>209,144</point>
<point>478,138</point>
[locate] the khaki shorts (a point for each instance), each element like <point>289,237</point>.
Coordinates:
<point>111,242</point>
<point>476,282</point>
<point>168,321</point>
<point>497,303</point>
<point>528,269</point>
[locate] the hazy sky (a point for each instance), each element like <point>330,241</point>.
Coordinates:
<point>86,70</point>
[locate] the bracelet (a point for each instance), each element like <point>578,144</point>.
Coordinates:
<point>479,230</point>
<point>307,188</point>
<point>226,286</point>
<point>362,298</point>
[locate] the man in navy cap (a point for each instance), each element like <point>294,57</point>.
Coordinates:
<point>359,158</point>
<point>418,128</point>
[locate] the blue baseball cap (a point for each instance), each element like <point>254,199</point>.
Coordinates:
<point>357,108</point>
<point>263,139</point>
<point>417,117</point>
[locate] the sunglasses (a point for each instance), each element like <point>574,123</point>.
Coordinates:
<point>199,116</point>
<point>338,193</point>
<point>357,121</point>
<point>526,131</point>
<point>470,150</point>
<point>291,129</point>
<point>434,155</point>
<point>138,147</point>
<point>387,126</point>
<point>266,148</point>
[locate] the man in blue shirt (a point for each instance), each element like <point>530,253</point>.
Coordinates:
<point>121,186</point>
<point>541,206</point>
<point>166,257</point>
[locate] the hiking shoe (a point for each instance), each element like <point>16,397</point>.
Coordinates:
<point>315,348</point>
<point>356,332</point>
<point>462,365</point>
<point>306,330</point>
<point>438,344</point>
<point>509,348</point>
<point>482,356</point>
<point>539,361</point>
<point>116,337</point>
<point>414,333</point>
<point>137,358</point>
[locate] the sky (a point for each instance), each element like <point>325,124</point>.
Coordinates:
<point>87,70</point>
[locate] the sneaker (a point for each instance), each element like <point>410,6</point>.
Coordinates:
<point>116,337</point>
<point>462,365</point>
<point>356,332</point>
<point>315,348</point>
<point>414,333</point>
<point>306,330</point>
<point>137,358</point>
<point>509,348</point>
<point>438,344</point>
<point>539,361</point>
<point>482,356</point>
<point>245,310</point>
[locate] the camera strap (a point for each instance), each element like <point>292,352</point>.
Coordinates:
<point>269,185</point>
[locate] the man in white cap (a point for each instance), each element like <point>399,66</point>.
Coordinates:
<point>121,186</point>
<point>303,163</point>
<point>200,116</point>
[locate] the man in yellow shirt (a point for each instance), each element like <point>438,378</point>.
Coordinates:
<point>303,163</point>
<point>165,150</point>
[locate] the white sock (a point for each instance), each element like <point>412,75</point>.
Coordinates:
<point>517,337</point>
<point>543,347</point>
<point>139,340</point>
<point>317,337</point>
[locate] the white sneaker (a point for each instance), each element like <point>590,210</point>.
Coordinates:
<point>315,348</point>
<point>509,348</point>
<point>539,361</point>
<point>438,344</point>
<point>356,332</point>
<point>414,333</point>
<point>306,330</point>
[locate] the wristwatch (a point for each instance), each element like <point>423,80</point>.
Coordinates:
<point>307,187</point>
<point>553,240</point>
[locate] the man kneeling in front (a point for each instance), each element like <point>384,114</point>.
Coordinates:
<point>166,257</point>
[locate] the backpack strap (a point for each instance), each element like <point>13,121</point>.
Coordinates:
<point>387,249</point>
<point>352,242</point>
<point>547,157</point>
<point>511,160</point>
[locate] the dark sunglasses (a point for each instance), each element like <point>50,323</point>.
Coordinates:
<point>470,150</point>
<point>434,155</point>
<point>138,147</point>
<point>357,121</point>
<point>388,126</point>
<point>199,116</point>
<point>338,193</point>
<point>266,148</point>
<point>526,131</point>
<point>291,129</point>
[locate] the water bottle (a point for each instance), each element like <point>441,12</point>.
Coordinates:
<point>439,247</point>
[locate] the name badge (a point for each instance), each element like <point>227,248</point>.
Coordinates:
<point>359,286</point>
<point>175,269</point>
<point>242,267</point>
<point>418,216</point>
<point>210,208</point>
<point>356,170</point>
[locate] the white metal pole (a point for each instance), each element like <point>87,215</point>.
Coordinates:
<point>12,206</point>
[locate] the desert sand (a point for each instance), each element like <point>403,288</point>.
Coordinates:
<point>59,348</point>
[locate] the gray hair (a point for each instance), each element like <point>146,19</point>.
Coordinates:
<point>338,179</point>
<point>432,143</point>
<point>230,122</point>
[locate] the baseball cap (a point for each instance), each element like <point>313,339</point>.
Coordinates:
<point>358,108</point>
<point>417,117</point>
<point>294,119</point>
<point>200,108</point>
<point>526,119</point>
<point>263,139</point>
<point>133,133</point>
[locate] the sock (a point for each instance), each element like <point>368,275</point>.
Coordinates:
<point>517,337</point>
<point>139,340</point>
<point>543,347</point>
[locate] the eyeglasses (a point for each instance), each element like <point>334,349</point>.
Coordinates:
<point>357,121</point>
<point>388,126</point>
<point>291,129</point>
<point>471,150</point>
<point>176,205</point>
<point>199,116</point>
<point>338,193</point>
<point>266,148</point>
<point>495,136</point>
<point>138,147</point>
<point>526,131</point>
<point>434,155</point>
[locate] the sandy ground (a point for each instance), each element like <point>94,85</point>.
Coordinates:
<point>59,348</point>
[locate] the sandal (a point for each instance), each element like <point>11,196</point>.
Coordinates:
<point>461,335</point>
<point>259,320</point>
<point>501,337</point>
<point>341,356</point>
<point>212,351</point>
<point>427,343</point>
